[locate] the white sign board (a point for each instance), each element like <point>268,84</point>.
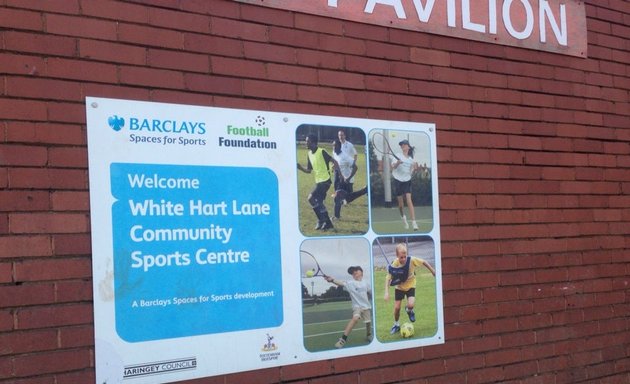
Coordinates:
<point>214,253</point>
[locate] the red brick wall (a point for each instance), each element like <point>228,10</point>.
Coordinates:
<point>534,168</point>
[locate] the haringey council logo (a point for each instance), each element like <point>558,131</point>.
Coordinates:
<point>116,123</point>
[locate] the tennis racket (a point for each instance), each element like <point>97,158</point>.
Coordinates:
<point>382,146</point>
<point>309,265</point>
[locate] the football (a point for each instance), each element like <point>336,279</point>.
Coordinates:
<point>406,330</point>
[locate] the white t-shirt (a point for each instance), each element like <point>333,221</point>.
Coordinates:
<point>405,169</point>
<point>348,148</point>
<point>358,291</point>
<point>345,165</point>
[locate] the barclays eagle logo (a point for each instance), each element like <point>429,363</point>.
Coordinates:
<point>116,123</point>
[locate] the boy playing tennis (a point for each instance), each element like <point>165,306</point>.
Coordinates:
<point>361,306</point>
<point>402,275</point>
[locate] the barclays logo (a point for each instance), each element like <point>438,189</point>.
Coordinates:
<point>116,123</point>
<point>158,126</point>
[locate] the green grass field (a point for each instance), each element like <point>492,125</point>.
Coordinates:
<point>425,307</point>
<point>354,216</point>
<point>387,220</point>
<point>324,324</point>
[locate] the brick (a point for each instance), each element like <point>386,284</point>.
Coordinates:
<point>342,45</point>
<point>239,29</point>
<point>340,79</point>
<point>419,369</point>
<point>66,112</point>
<point>58,361</point>
<point>319,59</point>
<point>85,376</point>
<point>268,16</point>
<point>52,269</point>
<point>367,31</point>
<point>367,99</point>
<point>48,223</point>
<point>70,6</point>
<point>6,367</point>
<point>293,38</point>
<point>269,375</point>
<point>485,375</point>
<point>291,74</point>
<point>112,52</point>
<point>69,291</point>
<point>49,89</point>
<point>82,70</point>
<point>255,88</point>
<point>458,106</point>
<point>15,201</point>
<point>269,53</point>
<point>74,337</point>
<point>230,102</point>
<point>238,67</point>
<point>70,201</point>
<point>22,295</point>
<point>55,316</point>
<point>22,155</point>
<point>411,103</point>
<point>6,273</point>
<point>21,246</point>
<point>222,8</point>
<point>368,65</point>
<point>45,132</point>
<point>115,10</point>
<point>214,84</point>
<point>320,95</point>
<point>503,356</point>
<point>464,363</point>
<point>519,370</point>
<point>465,92</point>
<point>178,60</point>
<point>27,342</point>
<point>53,178</point>
<point>152,77</point>
<point>150,37</point>
<point>184,21</point>
<point>117,92</point>
<point>214,45</point>
<point>21,19</point>
<point>24,42</point>
<point>294,372</point>
<point>318,23</point>
<point>4,223</point>
<point>430,57</point>
<point>492,326</point>
<point>387,51</point>
<point>14,109</point>
<point>21,64</point>
<point>355,363</point>
<point>405,70</point>
<point>489,110</point>
<point>57,24</point>
<point>6,320</point>
<point>74,157</point>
